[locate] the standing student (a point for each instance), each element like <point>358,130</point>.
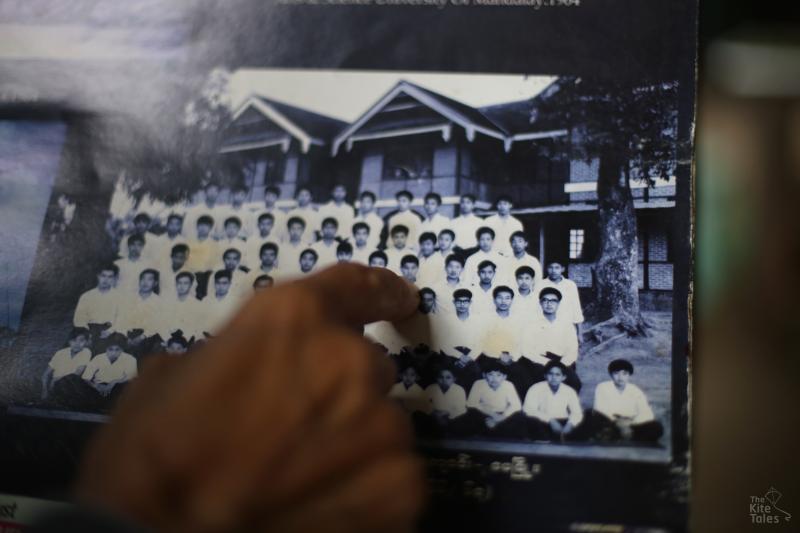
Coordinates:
<point>139,313</point>
<point>108,371</point>
<point>208,207</point>
<point>444,242</point>
<point>338,209</point>
<point>293,246</point>
<point>504,224</point>
<point>460,335</point>
<point>140,226</point>
<point>267,264</point>
<point>306,211</point>
<point>434,221</point>
<point>486,252</point>
<point>526,305</point>
<point>231,238</point>
<point>482,291</point>
<point>308,260</point>
<point>453,276</point>
<point>181,311</point>
<point>221,305</point>
<point>367,215</point>
<point>494,408</point>
<point>131,266</point>
<point>69,361</point>
<point>549,338</point>
<point>239,210</point>
<point>344,252</point>
<point>466,223</point>
<point>407,392</point>
<point>361,243</point>
<point>178,259</point>
<point>406,217</point>
<point>378,259</point>
<point>160,246</point>
<point>265,232</point>
<point>409,267</point>
<point>269,207</point>
<point>205,253</point>
<point>621,410</point>
<point>326,245</point>
<point>431,264</point>
<point>98,308</point>
<point>520,257</point>
<point>570,307</point>
<point>398,248</point>
<point>552,407</point>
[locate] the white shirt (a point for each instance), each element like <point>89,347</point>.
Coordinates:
<point>542,403</point>
<point>431,270</point>
<point>242,213</point>
<point>326,253</point>
<point>456,332</point>
<point>385,334</point>
<point>186,315</point>
<point>343,213</point>
<point>311,217</point>
<point>570,305</point>
<point>395,256</point>
<point>375,223</point>
<point>196,211</point>
<point>557,337</point>
<point>409,219</point>
<point>64,363</point>
<point>160,247</point>
<point>101,370</point>
<point>434,224</point>
<point>503,228</point>
<point>136,312</point>
<point>203,255</point>
<point>501,266</point>
<point>513,263</point>
<point>453,402</point>
<point>482,301</point>
<point>129,271</point>
<point>501,334</point>
<point>503,401</point>
<point>465,227</point>
<point>361,255</point>
<point>96,307</point>
<point>218,311</point>
<point>225,244</point>
<point>289,256</point>
<point>411,398</point>
<point>279,219</point>
<point>526,307</point>
<point>630,402</point>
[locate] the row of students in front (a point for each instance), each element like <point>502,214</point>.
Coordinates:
<point>80,378</point>
<point>467,341</point>
<point>551,410</point>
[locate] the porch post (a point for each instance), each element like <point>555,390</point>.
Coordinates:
<point>541,243</point>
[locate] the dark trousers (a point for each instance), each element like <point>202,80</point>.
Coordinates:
<point>540,430</point>
<point>512,427</point>
<point>440,427</point>
<point>518,373</point>
<point>75,394</point>
<point>602,428</point>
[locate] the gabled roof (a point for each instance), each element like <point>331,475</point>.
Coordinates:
<point>506,122</point>
<point>305,126</point>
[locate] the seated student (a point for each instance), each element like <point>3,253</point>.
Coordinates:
<point>398,248</point>
<point>221,305</point>
<point>69,361</point>
<point>410,395</point>
<point>308,260</point>
<point>231,239</point>
<point>264,233</point>
<point>486,252</point>
<point>205,253</point>
<point>181,311</point>
<point>293,246</point>
<point>131,266</point>
<point>466,223</point>
<point>504,224</point>
<point>552,407</point>
<point>447,405</point>
<point>482,290</point>
<point>493,405</point>
<point>270,207</point>
<point>367,215</point>
<point>326,245</point>
<point>361,243</point>
<point>406,217</point>
<point>98,308</point>
<point>520,257</point>
<point>621,410</point>
<point>306,212</point>
<point>344,252</point>
<point>526,304</point>
<point>550,338</point>
<point>178,259</point>
<point>338,209</point>
<point>176,345</point>
<point>431,264</point>
<point>434,221</point>
<point>377,259</point>
<point>139,314</point>
<point>570,308</point>
<point>262,283</point>
<point>107,372</point>
<point>409,267</point>
<point>444,243</point>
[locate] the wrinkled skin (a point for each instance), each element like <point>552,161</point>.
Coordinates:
<point>280,424</point>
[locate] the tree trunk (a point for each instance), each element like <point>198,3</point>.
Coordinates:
<point>616,271</point>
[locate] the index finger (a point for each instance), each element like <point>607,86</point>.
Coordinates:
<point>357,295</point>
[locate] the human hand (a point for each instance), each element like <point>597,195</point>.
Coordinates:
<point>556,426</point>
<point>280,423</point>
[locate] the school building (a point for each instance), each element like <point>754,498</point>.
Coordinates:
<point>416,139</point>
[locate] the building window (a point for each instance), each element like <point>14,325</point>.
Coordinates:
<point>408,160</point>
<point>576,239</point>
